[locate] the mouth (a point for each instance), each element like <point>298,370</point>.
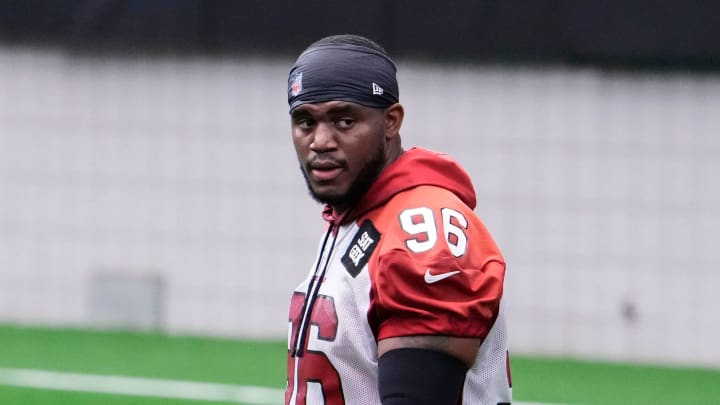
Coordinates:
<point>326,174</point>
<point>325,171</point>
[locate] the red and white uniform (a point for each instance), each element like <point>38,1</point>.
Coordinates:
<point>410,259</point>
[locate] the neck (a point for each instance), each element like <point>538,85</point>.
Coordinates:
<point>392,154</point>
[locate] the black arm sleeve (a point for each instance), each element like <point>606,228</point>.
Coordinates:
<point>420,377</point>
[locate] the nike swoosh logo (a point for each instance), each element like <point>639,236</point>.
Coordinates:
<point>434,278</point>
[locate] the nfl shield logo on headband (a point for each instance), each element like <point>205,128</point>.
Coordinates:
<point>296,85</point>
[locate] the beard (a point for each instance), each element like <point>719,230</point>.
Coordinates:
<point>362,183</point>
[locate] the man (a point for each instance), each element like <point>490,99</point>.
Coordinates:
<point>402,305</point>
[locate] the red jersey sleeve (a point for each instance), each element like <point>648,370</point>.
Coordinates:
<point>437,272</point>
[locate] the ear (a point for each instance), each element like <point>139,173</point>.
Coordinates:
<point>393,120</point>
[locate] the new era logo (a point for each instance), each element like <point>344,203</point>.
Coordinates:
<point>377,90</point>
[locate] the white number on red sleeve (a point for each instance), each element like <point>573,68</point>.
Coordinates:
<point>420,223</point>
<point>455,231</point>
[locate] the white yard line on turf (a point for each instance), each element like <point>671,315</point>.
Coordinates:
<point>144,387</point>
<point>149,387</point>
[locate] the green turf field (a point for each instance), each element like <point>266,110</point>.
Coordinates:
<point>226,366</point>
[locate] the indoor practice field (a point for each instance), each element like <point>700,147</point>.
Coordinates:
<point>51,366</point>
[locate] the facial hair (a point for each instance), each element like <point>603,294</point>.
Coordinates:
<point>362,183</point>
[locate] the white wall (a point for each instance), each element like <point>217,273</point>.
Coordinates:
<point>599,187</point>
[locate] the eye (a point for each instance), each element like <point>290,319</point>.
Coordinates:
<point>344,123</point>
<point>304,123</point>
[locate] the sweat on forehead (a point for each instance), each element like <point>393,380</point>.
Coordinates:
<point>343,72</point>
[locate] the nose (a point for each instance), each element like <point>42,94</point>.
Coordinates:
<point>323,138</point>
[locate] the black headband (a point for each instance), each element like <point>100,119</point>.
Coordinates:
<point>343,72</point>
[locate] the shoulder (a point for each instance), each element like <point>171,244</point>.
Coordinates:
<point>427,195</point>
<point>436,270</point>
<point>421,205</point>
<point>431,221</point>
